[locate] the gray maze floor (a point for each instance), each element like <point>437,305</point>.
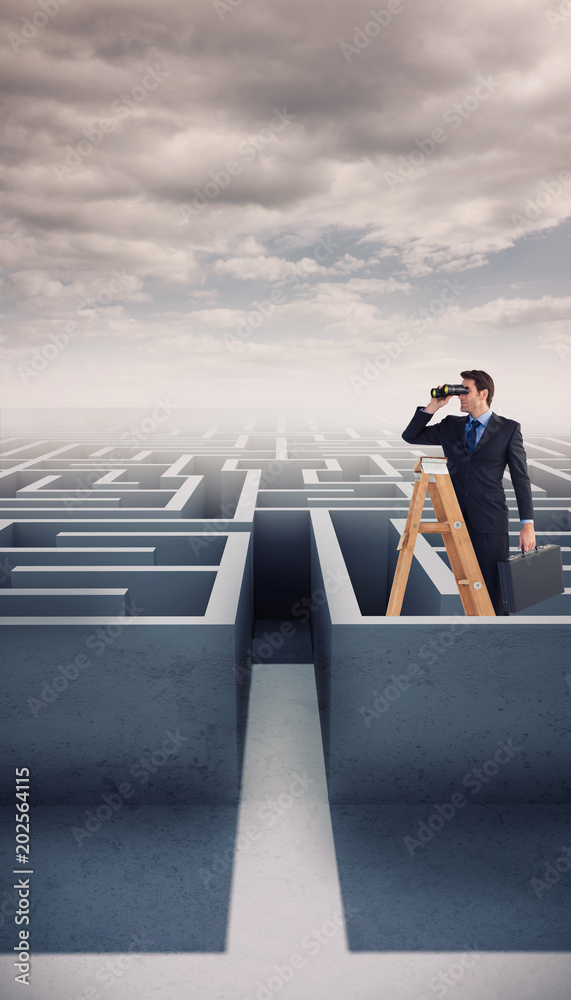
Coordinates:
<point>246,781</point>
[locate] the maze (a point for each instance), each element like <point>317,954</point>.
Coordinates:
<point>211,537</point>
<point>92,528</point>
<point>143,576</point>
<point>156,523</point>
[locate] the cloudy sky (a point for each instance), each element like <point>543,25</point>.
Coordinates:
<point>285,203</point>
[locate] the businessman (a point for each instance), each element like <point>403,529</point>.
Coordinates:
<point>478,447</point>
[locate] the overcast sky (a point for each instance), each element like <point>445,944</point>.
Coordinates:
<point>292,203</point>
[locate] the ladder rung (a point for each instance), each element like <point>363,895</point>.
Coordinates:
<point>433,476</point>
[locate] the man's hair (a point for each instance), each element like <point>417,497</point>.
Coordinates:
<point>482,380</point>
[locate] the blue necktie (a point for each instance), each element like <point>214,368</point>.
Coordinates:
<point>471,436</point>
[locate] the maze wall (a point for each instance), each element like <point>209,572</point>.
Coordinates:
<point>136,571</point>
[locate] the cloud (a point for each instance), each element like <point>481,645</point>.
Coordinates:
<point>222,157</point>
<point>278,270</point>
<point>272,269</point>
<point>522,312</point>
<point>497,98</point>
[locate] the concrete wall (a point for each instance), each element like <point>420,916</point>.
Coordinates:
<point>415,706</point>
<point>85,699</point>
<point>411,705</point>
<point>127,686</point>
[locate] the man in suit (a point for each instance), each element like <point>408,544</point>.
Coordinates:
<point>478,448</point>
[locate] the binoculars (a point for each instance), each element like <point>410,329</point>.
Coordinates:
<point>449,390</point>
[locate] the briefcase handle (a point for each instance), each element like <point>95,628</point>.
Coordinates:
<point>523,550</point>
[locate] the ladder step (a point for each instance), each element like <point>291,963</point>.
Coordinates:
<point>433,476</point>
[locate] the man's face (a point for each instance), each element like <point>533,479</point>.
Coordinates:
<point>473,401</point>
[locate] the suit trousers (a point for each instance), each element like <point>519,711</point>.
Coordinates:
<point>490,548</point>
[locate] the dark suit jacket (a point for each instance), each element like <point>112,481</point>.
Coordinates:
<point>477,478</point>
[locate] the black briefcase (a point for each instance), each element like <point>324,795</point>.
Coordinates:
<point>531,577</point>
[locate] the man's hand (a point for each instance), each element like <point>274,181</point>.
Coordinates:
<point>527,537</point>
<point>435,404</point>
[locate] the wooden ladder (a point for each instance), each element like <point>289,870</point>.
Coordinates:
<point>432,475</point>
